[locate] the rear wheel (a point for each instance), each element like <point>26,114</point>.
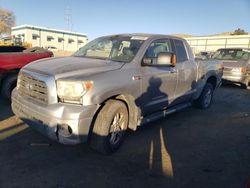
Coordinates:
<point>110,127</point>
<point>9,83</point>
<point>206,97</point>
<point>245,84</point>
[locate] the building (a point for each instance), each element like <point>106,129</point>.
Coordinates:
<point>47,37</point>
<point>212,43</point>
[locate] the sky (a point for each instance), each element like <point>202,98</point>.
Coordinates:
<point>103,17</point>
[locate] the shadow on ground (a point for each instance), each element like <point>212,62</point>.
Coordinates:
<point>192,148</point>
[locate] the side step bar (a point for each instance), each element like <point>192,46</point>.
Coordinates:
<point>163,114</point>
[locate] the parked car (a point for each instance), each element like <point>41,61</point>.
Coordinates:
<point>237,65</point>
<point>12,62</point>
<point>112,84</point>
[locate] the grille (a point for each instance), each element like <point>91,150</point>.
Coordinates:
<point>227,69</point>
<point>29,86</point>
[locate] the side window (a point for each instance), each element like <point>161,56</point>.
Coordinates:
<point>157,47</point>
<point>180,51</point>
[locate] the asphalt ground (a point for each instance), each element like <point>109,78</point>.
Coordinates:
<point>192,148</point>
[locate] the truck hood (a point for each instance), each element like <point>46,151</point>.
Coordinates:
<point>64,67</point>
<point>232,64</point>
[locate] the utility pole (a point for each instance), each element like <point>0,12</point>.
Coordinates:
<point>68,18</point>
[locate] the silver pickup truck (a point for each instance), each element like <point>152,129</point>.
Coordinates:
<point>112,84</point>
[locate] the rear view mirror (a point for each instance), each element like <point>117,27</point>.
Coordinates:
<point>166,59</point>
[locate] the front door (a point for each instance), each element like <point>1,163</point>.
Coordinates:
<point>158,82</point>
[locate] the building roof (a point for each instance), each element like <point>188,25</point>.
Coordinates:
<point>33,27</point>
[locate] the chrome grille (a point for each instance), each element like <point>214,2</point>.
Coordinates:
<point>29,86</point>
<point>227,69</point>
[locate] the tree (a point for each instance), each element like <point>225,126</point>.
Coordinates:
<point>239,32</point>
<point>7,20</point>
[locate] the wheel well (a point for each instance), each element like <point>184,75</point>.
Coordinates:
<point>10,72</point>
<point>7,74</point>
<point>133,110</point>
<point>212,80</point>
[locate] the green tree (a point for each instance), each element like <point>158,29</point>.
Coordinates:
<point>7,20</point>
<point>239,32</point>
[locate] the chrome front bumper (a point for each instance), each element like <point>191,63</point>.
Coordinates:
<point>65,123</point>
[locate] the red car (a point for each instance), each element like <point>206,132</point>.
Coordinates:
<point>12,62</point>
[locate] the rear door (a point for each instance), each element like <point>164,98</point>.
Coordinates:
<point>186,73</point>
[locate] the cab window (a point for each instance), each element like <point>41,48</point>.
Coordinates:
<point>157,47</point>
<point>181,53</point>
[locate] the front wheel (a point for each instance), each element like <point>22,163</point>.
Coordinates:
<point>110,127</point>
<point>206,97</point>
<point>9,83</point>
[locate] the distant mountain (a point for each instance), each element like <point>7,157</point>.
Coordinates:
<point>182,35</point>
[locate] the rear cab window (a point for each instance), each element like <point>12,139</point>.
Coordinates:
<point>180,50</point>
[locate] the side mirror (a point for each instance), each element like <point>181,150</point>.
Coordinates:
<point>147,61</point>
<point>166,59</point>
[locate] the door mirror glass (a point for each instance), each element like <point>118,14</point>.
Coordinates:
<point>147,61</point>
<point>164,59</point>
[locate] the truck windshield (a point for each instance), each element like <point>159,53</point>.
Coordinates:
<point>232,54</point>
<point>114,48</point>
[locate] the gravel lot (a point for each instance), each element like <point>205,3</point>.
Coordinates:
<point>192,148</point>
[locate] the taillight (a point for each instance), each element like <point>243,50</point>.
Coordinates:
<point>243,70</point>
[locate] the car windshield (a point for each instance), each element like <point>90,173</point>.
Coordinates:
<point>114,48</point>
<point>232,54</point>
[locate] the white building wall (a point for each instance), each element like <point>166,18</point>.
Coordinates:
<point>26,32</point>
<point>213,43</point>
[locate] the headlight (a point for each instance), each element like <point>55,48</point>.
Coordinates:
<point>72,91</point>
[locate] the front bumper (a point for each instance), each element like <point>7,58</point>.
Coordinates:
<point>54,120</point>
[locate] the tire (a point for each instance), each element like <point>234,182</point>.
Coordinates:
<point>206,97</point>
<point>9,83</point>
<point>103,138</point>
<point>245,85</point>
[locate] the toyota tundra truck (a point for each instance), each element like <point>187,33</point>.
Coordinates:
<point>113,84</point>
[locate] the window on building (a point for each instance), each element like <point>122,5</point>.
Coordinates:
<point>21,35</point>
<point>70,41</point>
<point>35,36</point>
<point>80,41</point>
<point>60,39</point>
<point>50,38</point>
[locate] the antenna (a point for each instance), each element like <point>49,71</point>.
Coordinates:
<point>68,18</point>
